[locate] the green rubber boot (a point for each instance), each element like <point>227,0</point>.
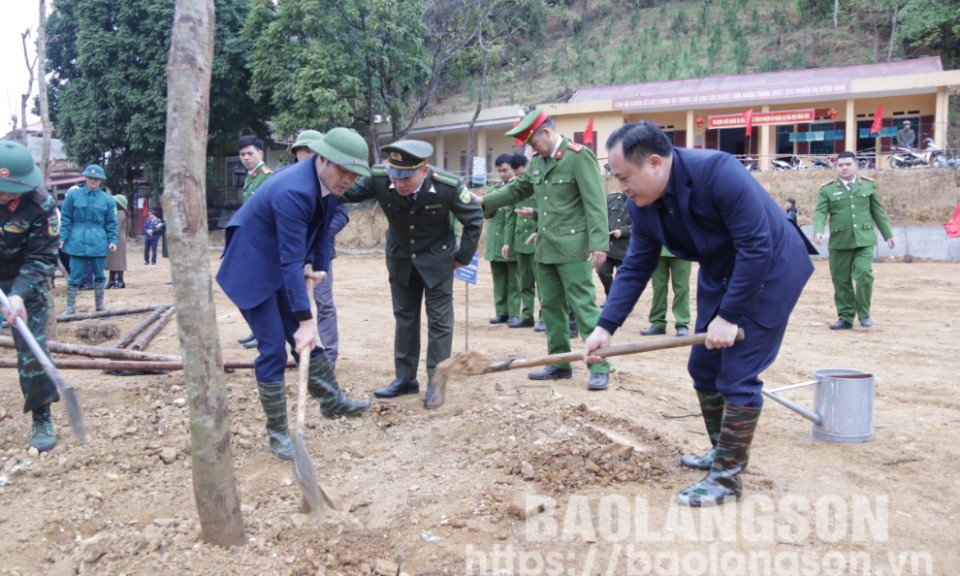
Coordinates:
<point>274,400</point>
<point>98,288</point>
<point>44,436</point>
<point>711,407</point>
<point>71,300</point>
<point>324,388</point>
<point>723,482</point>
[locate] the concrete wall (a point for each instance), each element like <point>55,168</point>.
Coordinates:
<point>928,242</point>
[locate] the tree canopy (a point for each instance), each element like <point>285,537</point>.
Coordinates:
<point>108,87</point>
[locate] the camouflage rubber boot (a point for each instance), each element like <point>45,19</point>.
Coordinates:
<point>71,300</point>
<point>274,400</point>
<point>324,388</point>
<point>98,288</point>
<point>44,436</point>
<point>733,451</point>
<point>711,406</point>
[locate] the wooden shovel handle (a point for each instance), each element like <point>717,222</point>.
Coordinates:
<point>621,350</point>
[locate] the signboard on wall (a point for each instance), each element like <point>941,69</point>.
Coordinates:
<point>760,118</point>
<point>479,172</point>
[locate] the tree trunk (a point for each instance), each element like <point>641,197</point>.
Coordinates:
<point>42,89</point>
<point>481,92</point>
<point>893,31</point>
<point>25,97</point>
<point>184,205</point>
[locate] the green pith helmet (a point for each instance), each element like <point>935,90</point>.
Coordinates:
<point>305,138</point>
<point>345,148</point>
<point>405,157</point>
<point>18,173</point>
<point>121,201</point>
<point>94,171</point>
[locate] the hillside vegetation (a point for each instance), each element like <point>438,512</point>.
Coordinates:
<point>578,43</point>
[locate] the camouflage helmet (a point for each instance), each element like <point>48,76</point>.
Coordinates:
<point>94,171</point>
<point>18,173</point>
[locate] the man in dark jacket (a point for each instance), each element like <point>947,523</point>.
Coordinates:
<point>703,206</point>
<point>619,221</point>
<point>279,230</point>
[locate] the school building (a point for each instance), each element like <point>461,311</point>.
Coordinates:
<point>810,112</point>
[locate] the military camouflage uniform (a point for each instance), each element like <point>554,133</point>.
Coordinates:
<point>30,232</point>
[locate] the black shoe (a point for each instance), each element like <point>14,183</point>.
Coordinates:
<point>598,381</point>
<point>512,320</point>
<point>841,324</point>
<point>245,339</point>
<point>683,331</point>
<point>540,326</point>
<point>499,319</point>
<point>551,373</point>
<point>518,323</point>
<point>120,284</point>
<point>574,333</point>
<point>866,322</point>
<point>653,331</point>
<point>398,387</point>
<point>111,285</point>
<point>251,343</point>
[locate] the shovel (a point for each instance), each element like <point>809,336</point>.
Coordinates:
<point>66,391</point>
<point>473,365</point>
<point>302,464</point>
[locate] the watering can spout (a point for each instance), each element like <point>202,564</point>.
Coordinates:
<point>809,415</point>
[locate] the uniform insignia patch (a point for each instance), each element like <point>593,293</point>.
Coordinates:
<point>446,179</point>
<point>394,155</point>
<point>432,190</point>
<point>12,228</point>
<point>574,146</point>
<point>465,196</point>
<point>53,226</point>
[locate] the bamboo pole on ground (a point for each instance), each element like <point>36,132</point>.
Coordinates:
<point>105,313</point>
<point>130,336</point>
<point>144,340</point>
<point>97,351</point>
<point>104,364</point>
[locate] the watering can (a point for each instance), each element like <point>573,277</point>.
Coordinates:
<point>842,405</point>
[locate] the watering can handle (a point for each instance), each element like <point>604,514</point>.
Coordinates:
<point>812,416</point>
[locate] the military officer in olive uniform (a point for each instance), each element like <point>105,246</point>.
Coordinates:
<point>499,253</point>
<point>421,254</point>
<point>573,237</point>
<point>850,201</point>
<point>524,246</point>
<point>671,271</point>
<point>29,241</point>
<point>618,219</point>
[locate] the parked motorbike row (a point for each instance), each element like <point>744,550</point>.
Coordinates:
<point>931,155</point>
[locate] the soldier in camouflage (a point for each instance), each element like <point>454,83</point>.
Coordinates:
<point>30,233</point>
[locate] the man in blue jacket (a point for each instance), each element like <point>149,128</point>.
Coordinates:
<point>269,241</point>
<point>703,207</point>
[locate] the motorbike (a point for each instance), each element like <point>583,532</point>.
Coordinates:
<point>750,164</point>
<point>821,163</point>
<point>792,163</point>
<point>939,157</point>
<point>908,158</point>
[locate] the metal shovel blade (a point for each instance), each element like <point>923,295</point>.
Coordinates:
<point>302,464</point>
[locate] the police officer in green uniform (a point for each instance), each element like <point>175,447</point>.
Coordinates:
<point>524,246</point>
<point>565,179</point>
<point>850,201</point>
<point>676,272</point>
<point>250,149</point>
<point>29,240</point>
<point>421,253</point>
<point>618,220</point>
<point>498,252</point>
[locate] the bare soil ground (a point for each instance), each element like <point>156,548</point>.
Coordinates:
<point>511,476</point>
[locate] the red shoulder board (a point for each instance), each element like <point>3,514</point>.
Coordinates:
<point>574,146</point>
<point>267,170</point>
